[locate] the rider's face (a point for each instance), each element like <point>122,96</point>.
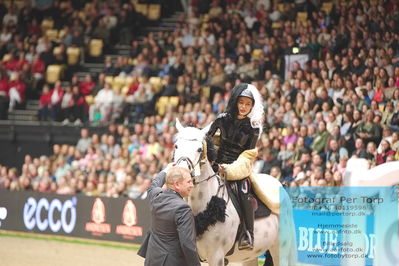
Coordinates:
<point>244,105</point>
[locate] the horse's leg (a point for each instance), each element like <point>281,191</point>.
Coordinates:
<point>268,259</point>
<point>275,252</point>
<point>216,258</point>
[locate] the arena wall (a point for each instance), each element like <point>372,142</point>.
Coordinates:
<point>100,218</point>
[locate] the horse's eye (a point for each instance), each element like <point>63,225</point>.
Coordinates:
<point>175,146</point>
<point>199,149</point>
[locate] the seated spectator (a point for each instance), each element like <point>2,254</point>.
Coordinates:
<point>387,114</point>
<point>347,122</point>
<point>334,152</point>
<point>79,113</point>
<point>269,160</point>
<point>87,85</point>
<point>394,125</point>
<point>320,139</point>
<point>386,151</point>
<point>368,130</point>
<point>66,107</point>
<point>359,151</point>
<point>102,105</point>
<point>56,95</point>
<point>4,96</point>
<point>290,137</point>
<point>11,64</point>
<point>17,90</point>
<point>371,153</point>
<point>117,106</point>
<point>84,141</point>
<point>45,104</point>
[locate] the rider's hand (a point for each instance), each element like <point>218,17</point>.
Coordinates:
<point>222,170</point>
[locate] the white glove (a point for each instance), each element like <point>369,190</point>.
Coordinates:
<point>170,165</point>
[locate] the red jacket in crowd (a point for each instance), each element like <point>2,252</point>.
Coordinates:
<point>20,86</point>
<point>38,67</point>
<point>60,93</point>
<point>21,63</point>
<point>4,88</point>
<point>45,99</point>
<point>11,65</point>
<point>86,87</point>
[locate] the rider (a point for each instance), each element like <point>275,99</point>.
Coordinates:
<point>240,127</point>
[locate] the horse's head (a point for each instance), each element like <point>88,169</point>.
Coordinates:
<point>190,147</point>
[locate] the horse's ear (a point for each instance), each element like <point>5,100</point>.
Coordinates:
<point>179,127</point>
<point>206,129</point>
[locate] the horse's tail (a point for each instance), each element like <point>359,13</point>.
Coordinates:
<point>288,248</point>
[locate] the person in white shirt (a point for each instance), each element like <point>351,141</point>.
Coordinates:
<point>103,104</point>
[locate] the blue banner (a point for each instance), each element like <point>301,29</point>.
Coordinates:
<point>345,225</point>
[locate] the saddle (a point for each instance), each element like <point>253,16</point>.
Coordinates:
<point>265,187</point>
<point>260,209</point>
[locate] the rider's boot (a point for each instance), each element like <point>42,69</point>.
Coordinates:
<point>247,238</point>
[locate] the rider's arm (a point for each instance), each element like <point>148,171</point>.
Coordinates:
<point>214,127</point>
<point>251,144</point>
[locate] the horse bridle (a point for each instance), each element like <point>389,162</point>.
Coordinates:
<point>191,165</point>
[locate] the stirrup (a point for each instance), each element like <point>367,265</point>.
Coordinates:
<point>246,242</point>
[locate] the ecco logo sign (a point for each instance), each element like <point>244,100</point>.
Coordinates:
<point>53,215</point>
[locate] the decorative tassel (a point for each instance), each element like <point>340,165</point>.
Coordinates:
<point>215,212</point>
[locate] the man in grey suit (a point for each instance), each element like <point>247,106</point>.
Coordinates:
<point>171,239</point>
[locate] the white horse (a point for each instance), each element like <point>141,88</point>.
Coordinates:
<point>215,243</point>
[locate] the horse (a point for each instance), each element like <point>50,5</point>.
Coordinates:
<point>214,244</point>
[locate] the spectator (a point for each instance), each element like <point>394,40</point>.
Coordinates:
<point>334,152</point>
<point>56,95</point>
<point>368,130</point>
<point>320,139</point>
<point>87,85</point>
<point>269,161</point>
<point>102,104</point>
<point>45,104</point>
<point>4,96</point>
<point>385,152</point>
<point>85,141</point>
<point>17,89</point>
<point>67,103</point>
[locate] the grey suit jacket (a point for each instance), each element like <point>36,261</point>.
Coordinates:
<point>171,239</point>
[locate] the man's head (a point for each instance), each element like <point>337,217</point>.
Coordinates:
<point>179,180</point>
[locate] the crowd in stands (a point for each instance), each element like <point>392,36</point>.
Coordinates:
<point>342,102</point>
<point>39,34</point>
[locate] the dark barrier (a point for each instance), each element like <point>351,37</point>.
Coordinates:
<point>18,140</point>
<point>116,219</point>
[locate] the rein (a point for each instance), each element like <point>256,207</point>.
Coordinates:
<point>201,160</point>
<point>191,167</point>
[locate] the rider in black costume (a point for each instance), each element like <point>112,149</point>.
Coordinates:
<point>240,127</point>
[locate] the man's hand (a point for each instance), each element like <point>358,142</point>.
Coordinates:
<point>170,165</point>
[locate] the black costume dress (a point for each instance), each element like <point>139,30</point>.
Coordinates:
<point>236,136</point>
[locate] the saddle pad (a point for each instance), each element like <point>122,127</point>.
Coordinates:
<point>267,189</point>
